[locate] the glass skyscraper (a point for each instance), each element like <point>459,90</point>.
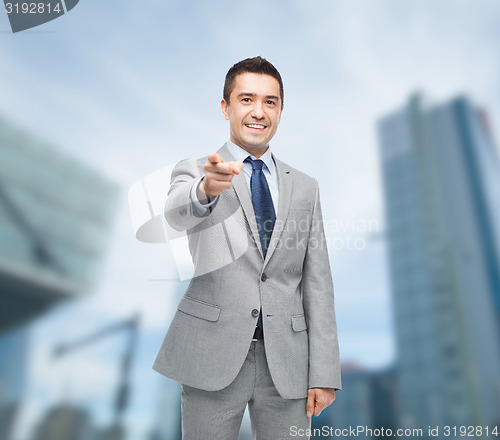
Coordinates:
<point>441,177</point>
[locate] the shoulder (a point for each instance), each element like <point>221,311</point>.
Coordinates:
<point>187,168</point>
<point>191,163</point>
<point>297,175</point>
<point>222,151</point>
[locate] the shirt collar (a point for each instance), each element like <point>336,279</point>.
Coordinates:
<point>240,155</point>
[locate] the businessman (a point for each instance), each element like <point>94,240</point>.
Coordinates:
<point>257,324</point>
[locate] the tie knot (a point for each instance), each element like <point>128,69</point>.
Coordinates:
<point>256,164</point>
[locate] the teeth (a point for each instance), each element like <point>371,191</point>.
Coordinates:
<point>256,126</point>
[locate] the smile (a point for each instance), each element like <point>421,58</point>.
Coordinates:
<point>256,126</point>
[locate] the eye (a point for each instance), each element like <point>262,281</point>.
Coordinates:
<point>246,99</point>
<point>270,102</point>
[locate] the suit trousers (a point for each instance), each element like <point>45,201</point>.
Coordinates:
<point>217,415</point>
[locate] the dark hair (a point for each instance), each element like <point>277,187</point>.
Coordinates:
<point>252,65</point>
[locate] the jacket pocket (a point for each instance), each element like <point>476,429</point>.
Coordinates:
<point>200,309</point>
<point>299,323</point>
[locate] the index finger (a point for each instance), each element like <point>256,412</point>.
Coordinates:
<point>215,158</point>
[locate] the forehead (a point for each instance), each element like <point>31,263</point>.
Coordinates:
<point>257,83</point>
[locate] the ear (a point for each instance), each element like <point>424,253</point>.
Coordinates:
<point>224,106</point>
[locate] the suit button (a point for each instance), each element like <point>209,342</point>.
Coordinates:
<point>255,313</point>
<point>263,277</point>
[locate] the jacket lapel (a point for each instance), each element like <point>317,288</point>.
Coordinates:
<point>241,188</point>
<point>285,196</point>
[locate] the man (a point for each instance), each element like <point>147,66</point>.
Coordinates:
<point>257,323</point>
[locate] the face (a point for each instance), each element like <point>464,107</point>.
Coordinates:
<point>254,111</point>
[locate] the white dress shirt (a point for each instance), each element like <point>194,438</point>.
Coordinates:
<point>239,154</point>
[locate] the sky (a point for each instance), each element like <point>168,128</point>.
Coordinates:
<point>129,88</point>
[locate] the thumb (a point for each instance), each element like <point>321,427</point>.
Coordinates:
<point>237,167</point>
<point>311,400</point>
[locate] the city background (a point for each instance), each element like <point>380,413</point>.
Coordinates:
<point>393,106</point>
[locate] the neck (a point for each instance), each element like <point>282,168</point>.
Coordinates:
<point>254,151</point>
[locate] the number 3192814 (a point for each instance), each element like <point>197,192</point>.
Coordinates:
<point>32,8</point>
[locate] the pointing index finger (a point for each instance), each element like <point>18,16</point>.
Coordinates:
<point>215,158</point>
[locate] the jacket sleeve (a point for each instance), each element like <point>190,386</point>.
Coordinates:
<point>319,307</point>
<point>179,209</point>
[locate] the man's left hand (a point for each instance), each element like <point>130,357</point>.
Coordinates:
<point>318,399</point>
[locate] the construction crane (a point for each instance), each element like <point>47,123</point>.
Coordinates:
<point>131,325</point>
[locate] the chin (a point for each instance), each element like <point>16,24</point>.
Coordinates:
<point>257,143</point>
<point>259,146</point>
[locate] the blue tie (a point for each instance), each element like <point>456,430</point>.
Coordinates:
<point>263,207</point>
<point>262,203</point>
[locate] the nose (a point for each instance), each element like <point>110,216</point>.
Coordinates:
<point>258,110</point>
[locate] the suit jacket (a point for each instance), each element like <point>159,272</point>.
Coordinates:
<point>211,332</point>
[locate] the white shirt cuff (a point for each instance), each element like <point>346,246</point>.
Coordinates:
<point>200,209</point>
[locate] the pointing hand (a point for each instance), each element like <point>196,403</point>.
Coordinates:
<point>218,175</point>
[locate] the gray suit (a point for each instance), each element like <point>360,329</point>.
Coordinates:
<point>211,333</point>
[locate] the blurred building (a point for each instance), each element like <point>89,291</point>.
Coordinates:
<point>55,215</point>
<point>65,422</point>
<point>367,399</point>
<point>13,362</point>
<point>441,177</point>
<point>352,404</point>
<point>167,424</point>
<point>383,398</point>
<point>55,218</point>
<point>168,421</point>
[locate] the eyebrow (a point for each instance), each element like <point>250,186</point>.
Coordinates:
<point>253,94</point>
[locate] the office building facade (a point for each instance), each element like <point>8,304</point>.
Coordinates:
<point>440,168</point>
